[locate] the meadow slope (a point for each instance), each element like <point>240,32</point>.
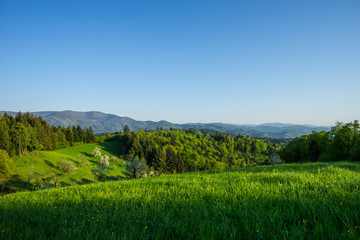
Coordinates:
<point>292,201</point>
<point>34,171</point>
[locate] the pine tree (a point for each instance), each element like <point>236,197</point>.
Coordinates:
<point>4,136</point>
<point>159,161</point>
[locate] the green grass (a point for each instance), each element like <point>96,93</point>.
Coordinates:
<point>31,170</point>
<point>295,201</point>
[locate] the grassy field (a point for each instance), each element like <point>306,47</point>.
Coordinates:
<point>294,201</point>
<point>33,171</point>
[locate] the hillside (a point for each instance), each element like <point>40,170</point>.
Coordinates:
<point>104,123</point>
<point>292,201</point>
<point>48,168</point>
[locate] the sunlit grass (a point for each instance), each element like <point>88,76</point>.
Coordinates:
<point>42,167</point>
<point>302,201</point>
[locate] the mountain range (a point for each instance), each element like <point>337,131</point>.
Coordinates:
<point>104,123</point>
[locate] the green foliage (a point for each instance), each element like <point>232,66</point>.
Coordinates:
<point>275,159</point>
<point>290,201</point>
<point>25,133</point>
<point>4,135</point>
<point>179,151</point>
<point>135,168</point>
<point>66,167</point>
<point>5,164</point>
<point>341,143</point>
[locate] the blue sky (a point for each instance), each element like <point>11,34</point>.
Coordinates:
<point>184,61</point>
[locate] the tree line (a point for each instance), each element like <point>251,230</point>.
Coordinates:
<point>25,133</point>
<point>172,150</point>
<point>341,143</point>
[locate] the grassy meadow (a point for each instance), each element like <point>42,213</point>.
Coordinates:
<point>292,201</point>
<point>32,171</point>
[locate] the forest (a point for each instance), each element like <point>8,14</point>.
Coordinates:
<point>25,133</point>
<point>172,150</point>
<point>342,143</point>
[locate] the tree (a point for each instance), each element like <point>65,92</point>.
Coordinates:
<point>135,168</point>
<point>79,133</point>
<point>275,159</point>
<point>159,159</point>
<point>126,129</point>
<point>96,152</point>
<point>4,136</point>
<point>344,137</point>
<point>5,164</point>
<point>104,160</point>
<point>21,138</point>
<point>69,135</point>
<point>90,137</point>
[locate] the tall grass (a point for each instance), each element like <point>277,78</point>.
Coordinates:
<point>298,201</point>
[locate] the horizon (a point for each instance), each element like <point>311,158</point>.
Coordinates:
<point>240,124</point>
<point>184,61</point>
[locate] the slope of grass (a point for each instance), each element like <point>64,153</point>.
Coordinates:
<point>295,201</point>
<point>33,170</point>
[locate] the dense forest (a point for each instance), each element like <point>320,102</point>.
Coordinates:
<point>25,133</point>
<point>186,150</point>
<point>339,144</point>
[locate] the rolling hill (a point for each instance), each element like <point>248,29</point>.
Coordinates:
<point>104,123</point>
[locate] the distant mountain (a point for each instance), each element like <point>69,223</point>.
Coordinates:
<point>103,123</point>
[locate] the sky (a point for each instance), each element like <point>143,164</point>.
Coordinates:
<point>241,62</point>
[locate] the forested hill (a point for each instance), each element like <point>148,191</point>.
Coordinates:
<point>185,150</point>
<point>104,123</point>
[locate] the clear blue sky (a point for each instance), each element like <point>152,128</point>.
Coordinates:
<point>184,61</point>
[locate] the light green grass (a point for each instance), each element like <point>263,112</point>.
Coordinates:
<point>42,168</point>
<point>295,201</point>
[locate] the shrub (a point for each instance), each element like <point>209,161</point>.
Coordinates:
<point>135,168</point>
<point>104,161</point>
<point>275,159</point>
<point>96,152</point>
<point>114,159</point>
<point>66,166</point>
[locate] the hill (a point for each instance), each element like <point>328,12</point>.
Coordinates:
<point>292,201</point>
<point>104,123</point>
<point>63,167</point>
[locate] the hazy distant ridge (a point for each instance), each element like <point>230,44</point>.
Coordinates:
<point>103,123</point>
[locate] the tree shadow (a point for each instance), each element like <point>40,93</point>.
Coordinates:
<point>87,154</point>
<point>50,164</point>
<point>84,181</point>
<point>116,148</point>
<point>15,184</point>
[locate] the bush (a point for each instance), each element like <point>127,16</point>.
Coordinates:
<point>5,164</point>
<point>135,168</point>
<point>114,159</point>
<point>104,161</point>
<point>96,152</point>
<point>66,166</point>
<point>275,159</point>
